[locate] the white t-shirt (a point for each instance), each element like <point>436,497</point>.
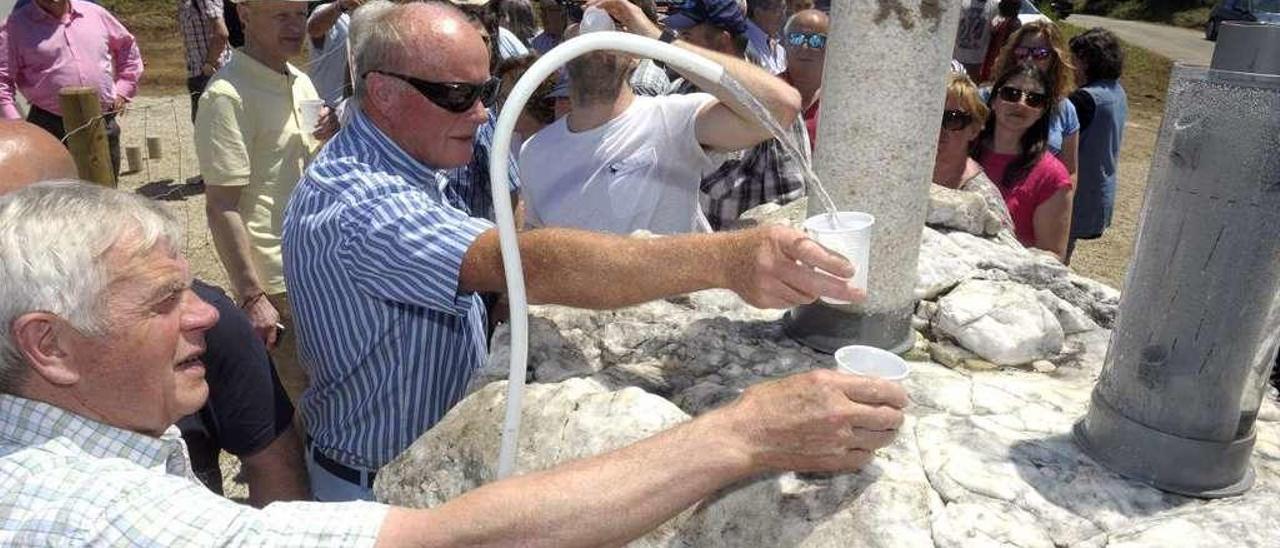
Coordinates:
<point>639,171</point>
<point>975,30</point>
<point>328,63</point>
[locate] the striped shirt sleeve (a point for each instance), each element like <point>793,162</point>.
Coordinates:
<point>404,248</point>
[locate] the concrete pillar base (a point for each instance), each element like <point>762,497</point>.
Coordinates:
<point>1195,468</point>
<point>826,329</point>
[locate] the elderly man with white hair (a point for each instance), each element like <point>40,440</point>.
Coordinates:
<point>101,353</point>
<point>385,259</point>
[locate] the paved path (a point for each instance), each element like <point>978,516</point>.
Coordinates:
<point>1186,45</point>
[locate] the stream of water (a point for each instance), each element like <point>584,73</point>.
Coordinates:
<point>789,143</point>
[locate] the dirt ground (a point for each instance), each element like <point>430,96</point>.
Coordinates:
<point>1107,258</point>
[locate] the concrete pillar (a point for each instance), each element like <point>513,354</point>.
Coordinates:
<point>1199,321</point>
<point>883,92</point>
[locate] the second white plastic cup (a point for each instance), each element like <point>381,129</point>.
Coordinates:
<point>850,236</point>
<point>309,113</point>
<point>870,361</point>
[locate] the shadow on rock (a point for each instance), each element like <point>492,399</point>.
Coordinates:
<point>1066,477</point>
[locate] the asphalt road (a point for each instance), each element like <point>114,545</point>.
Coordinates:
<point>1178,44</point>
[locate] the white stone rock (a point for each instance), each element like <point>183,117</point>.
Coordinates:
<point>1003,322</point>
<point>559,422</point>
<point>960,210</point>
<point>942,265</point>
<point>984,458</point>
<point>1072,319</point>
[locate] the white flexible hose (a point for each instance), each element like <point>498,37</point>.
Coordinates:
<point>498,163</point>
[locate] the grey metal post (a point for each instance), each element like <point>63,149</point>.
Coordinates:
<point>1199,320</point>
<point>883,89</point>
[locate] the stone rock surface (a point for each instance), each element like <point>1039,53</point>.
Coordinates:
<point>985,458</point>
<point>568,420</point>
<point>961,210</point>
<point>1003,322</point>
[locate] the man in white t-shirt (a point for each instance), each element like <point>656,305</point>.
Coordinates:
<point>974,33</point>
<point>327,27</point>
<point>619,163</point>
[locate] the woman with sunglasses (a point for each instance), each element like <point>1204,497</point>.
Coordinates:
<point>1042,44</point>
<point>962,122</point>
<point>1013,150</point>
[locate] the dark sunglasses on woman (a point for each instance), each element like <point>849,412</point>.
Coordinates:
<point>1039,54</point>
<point>1029,98</point>
<point>456,97</point>
<point>811,40</point>
<point>956,120</point>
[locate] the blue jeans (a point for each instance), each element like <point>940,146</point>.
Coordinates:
<point>326,487</point>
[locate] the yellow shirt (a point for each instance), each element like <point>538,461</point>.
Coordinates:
<point>248,133</point>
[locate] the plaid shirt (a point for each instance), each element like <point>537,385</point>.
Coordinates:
<point>649,79</point>
<point>195,17</point>
<point>69,481</point>
<point>755,176</point>
<point>761,174</point>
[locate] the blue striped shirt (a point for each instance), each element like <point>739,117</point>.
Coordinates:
<point>373,247</point>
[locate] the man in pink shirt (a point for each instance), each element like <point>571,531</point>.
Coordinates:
<point>47,45</point>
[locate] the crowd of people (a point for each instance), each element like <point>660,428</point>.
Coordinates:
<point>364,272</point>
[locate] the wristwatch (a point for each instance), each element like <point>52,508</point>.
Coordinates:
<point>668,36</point>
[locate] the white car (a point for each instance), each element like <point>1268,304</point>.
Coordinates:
<point>1029,13</point>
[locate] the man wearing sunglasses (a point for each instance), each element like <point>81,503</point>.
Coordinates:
<point>805,36</point>
<point>384,260</point>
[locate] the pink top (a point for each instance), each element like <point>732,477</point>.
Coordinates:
<point>40,55</point>
<point>1024,196</point>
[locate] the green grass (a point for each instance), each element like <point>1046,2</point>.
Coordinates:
<point>1149,10</point>
<point>1145,78</point>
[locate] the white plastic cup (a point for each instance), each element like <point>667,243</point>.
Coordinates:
<point>850,236</point>
<point>870,361</point>
<point>309,113</point>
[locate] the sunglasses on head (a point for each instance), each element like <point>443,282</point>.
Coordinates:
<point>956,120</point>
<point>1039,54</point>
<point>811,40</point>
<point>1029,98</point>
<point>456,97</point>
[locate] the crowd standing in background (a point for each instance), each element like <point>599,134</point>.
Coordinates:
<point>364,269</point>
<point>48,45</point>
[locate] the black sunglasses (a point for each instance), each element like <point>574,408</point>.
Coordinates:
<point>811,40</point>
<point>1015,95</point>
<point>956,120</point>
<point>456,97</point>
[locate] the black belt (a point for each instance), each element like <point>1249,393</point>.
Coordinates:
<point>342,471</point>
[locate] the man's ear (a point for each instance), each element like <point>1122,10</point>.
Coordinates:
<point>43,339</point>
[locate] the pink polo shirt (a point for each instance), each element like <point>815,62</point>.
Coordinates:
<point>40,55</point>
<point>1024,196</point>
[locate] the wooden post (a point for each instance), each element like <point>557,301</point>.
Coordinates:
<point>87,134</point>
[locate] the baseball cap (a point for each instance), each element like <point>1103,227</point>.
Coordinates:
<point>722,14</point>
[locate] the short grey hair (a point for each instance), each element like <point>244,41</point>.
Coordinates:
<point>375,41</point>
<point>54,237</point>
<point>378,37</point>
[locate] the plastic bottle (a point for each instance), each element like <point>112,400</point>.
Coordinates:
<point>594,20</point>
